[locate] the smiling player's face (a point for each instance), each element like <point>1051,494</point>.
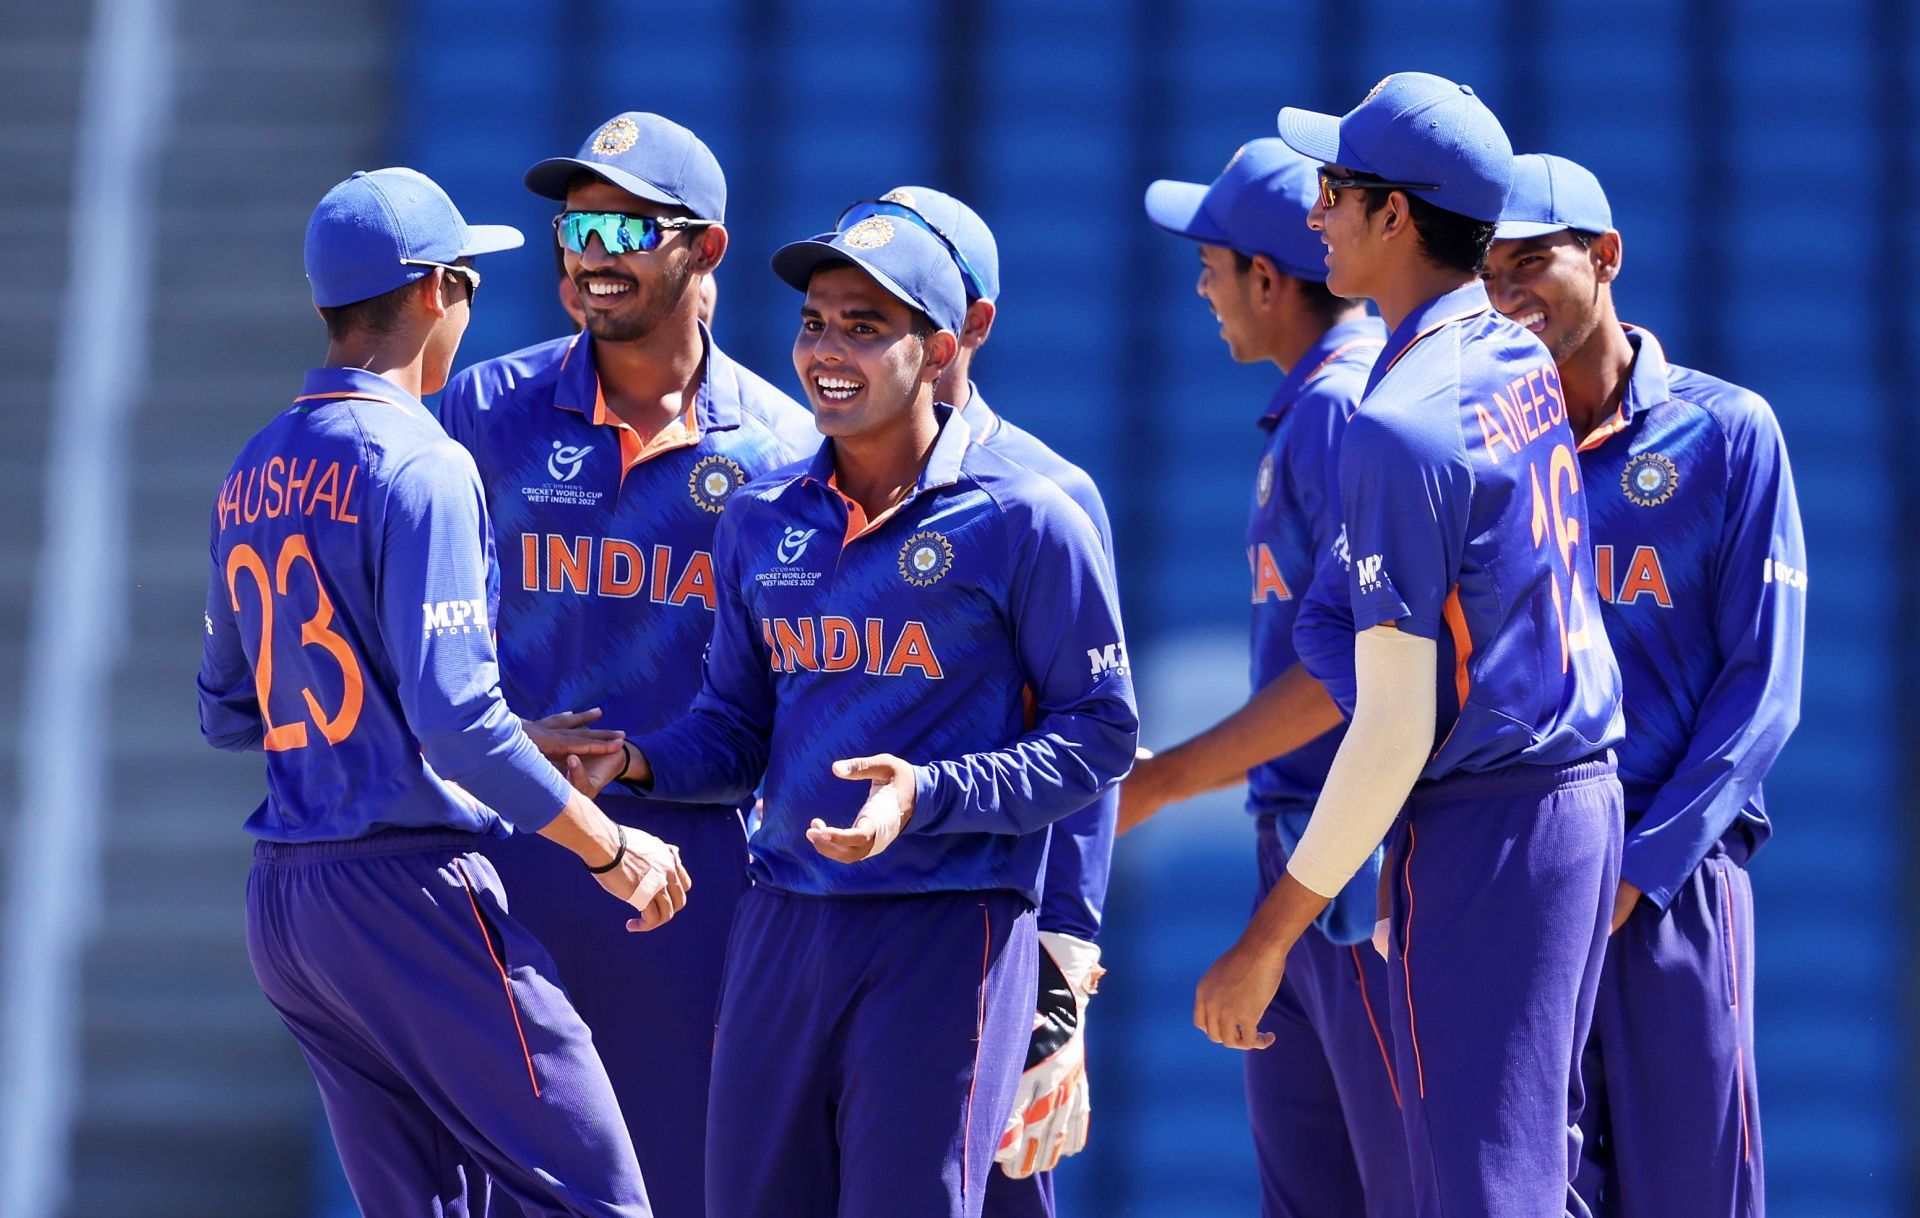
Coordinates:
<point>856,354</point>
<point>1347,231</point>
<point>1552,286</point>
<point>627,296</point>
<point>1223,285</point>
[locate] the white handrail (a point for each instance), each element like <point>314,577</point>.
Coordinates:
<point>79,616</point>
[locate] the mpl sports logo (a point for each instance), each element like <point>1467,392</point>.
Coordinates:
<point>1368,569</point>
<point>564,463</point>
<point>453,617</point>
<point>1109,659</point>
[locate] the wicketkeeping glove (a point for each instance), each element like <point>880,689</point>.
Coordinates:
<point>1052,1105</point>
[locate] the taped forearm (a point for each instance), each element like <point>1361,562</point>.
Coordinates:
<point>1378,762</point>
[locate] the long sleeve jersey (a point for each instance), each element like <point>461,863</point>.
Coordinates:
<point>1466,523</point>
<point>1073,893</point>
<point>919,633</point>
<point>608,587</point>
<point>348,626</point>
<point>1702,574</point>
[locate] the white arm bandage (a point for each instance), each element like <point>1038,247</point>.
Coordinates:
<point>1378,762</point>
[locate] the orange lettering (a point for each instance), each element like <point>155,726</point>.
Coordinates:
<point>278,503</point>
<point>773,653</point>
<point>914,650</point>
<point>876,645</point>
<point>797,650</point>
<point>1645,578</point>
<point>1603,570</point>
<point>1267,582</point>
<point>662,561</point>
<point>621,568</point>
<point>1491,431</point>
<point>252,494</point>
<point>346,515</point>
<point>328,488</point>
<point>297,483</point>
<point>696,582</point>
<point>530,561</point>
<point>570,565</point>
<point>841,643</point>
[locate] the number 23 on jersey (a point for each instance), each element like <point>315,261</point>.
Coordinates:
<point>244,563</point>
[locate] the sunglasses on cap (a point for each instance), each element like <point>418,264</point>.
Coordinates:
<point>881,207</point>
<point>619,233</point>
<point>467,274</point>
<point>1330,186</point>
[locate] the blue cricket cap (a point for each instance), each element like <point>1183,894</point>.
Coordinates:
<point>912,264</point>
<point>646,155</point>
<point>377,230</point>
<point>966,234</point>
<point>1552,194</point>
<point>1258,205</point>
<point>1416,127</point>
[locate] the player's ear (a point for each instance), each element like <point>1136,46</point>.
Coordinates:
<point>1263,278</point>
<point>1607,251</point>
<point>709,247</point>
<point>1395,218</point>
<point>979,323</point>
<point>939,351</point>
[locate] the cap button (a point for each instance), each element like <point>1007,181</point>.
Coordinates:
<point>1467,89</point>
<point>358,173</point>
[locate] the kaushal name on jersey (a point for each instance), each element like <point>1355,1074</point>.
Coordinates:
<point>282,486</point>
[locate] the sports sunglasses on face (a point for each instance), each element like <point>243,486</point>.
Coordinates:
<point>470,276</point>
<point>619,233</point>
<point>1330,186</point>
<point>881,207</point>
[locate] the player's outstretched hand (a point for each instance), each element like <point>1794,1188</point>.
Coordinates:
<point>590,775</point>
<point>567,732</point>
<point>888,808</point>
<point>650,877</point>
<point>1233,996</point>
<point>1053,1103</point>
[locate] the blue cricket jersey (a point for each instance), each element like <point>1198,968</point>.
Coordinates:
<point>1702,575</point>
<point>349,626</point>
<point>918,633</point>
<point>1073,893</point>
<point>608,579</point>
<point>1466,523</point>
<point>1294,517</point>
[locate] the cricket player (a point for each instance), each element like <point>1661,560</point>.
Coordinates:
<point>607,457</point>
<point>1053,1105</point>
<point>917,654</point>
<point>1481,673</point>
<point>1701,570</point>
<point>348,638</point>
<point>1322,1102</point>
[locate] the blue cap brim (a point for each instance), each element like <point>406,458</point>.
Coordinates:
<point>1520,230</point>
<point>1177,208</point>
<point>491,239</point>
<point>1312,134</point>
<point>796,262</point>
<point>549,180</point>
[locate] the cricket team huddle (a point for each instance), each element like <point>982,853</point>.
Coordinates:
<point>1528,606</point>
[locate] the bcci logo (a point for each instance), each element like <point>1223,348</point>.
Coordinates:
<point>713,481</point>
<point>793,543</point>
<point>870,234</point>
<point>566,459</point>
<point>616,137</point>
<point>925,558</point>
<point>1263,482</point>
<point>1650,479</point>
